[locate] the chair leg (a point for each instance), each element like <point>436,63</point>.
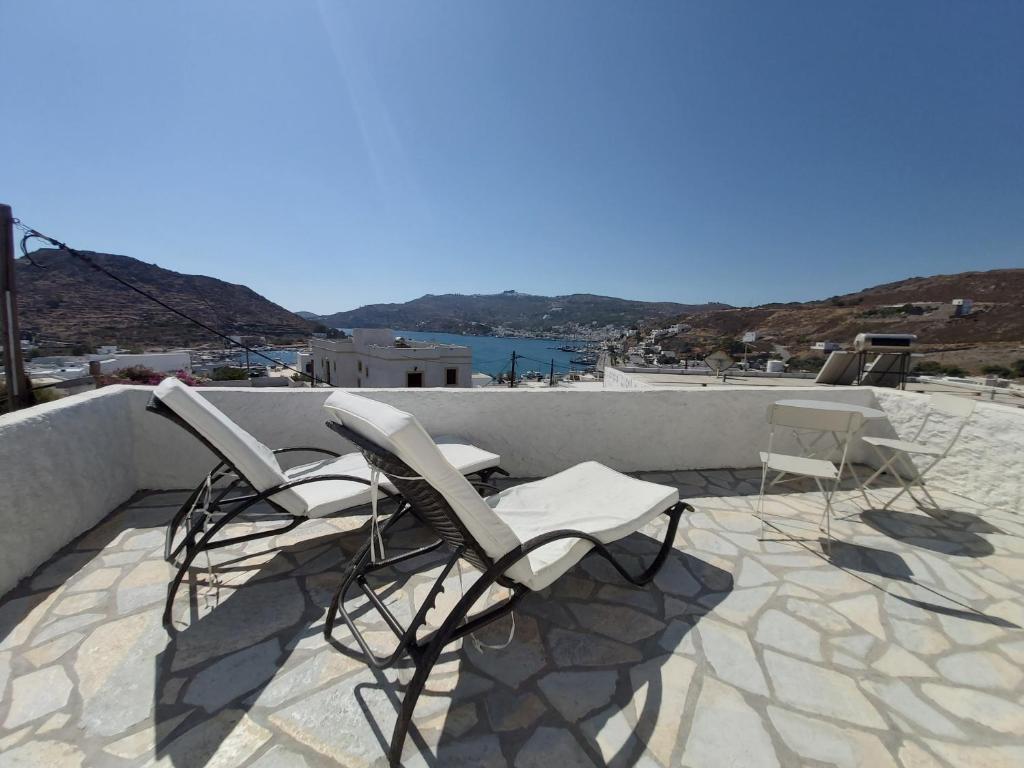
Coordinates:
<point>760,498</point>
<point>924,490</point>
<point>191,553</point>
<point>426,662</point>
<point>825,524</point>
<point>914,476</point>
<point>828,522</point>
<point>169,551</point>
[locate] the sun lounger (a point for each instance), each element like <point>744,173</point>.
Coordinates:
<point>523,538</point>
<point>324,487</point>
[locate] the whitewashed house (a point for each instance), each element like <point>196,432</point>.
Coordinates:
<point>373,357</point>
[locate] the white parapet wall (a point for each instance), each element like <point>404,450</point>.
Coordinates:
<point>986,463</point>
<point>64,466</point>
<point>67,464</point>
<point>536,432</point>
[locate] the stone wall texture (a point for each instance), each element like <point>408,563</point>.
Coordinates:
<point>987,462</point>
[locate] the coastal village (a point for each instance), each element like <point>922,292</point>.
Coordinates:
<point>654,356</point>
<point>512,385</point>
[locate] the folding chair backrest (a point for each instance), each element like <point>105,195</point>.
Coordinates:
<point>401,434</point>
<point>818,419</point>
<point>253,460</point>
<point>952,405</point>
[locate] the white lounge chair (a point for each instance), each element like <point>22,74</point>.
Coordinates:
<point>312,490</point>
<point>522,538</point>
<point>893,450</point>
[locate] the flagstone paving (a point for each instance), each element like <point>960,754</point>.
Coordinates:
<point>904,648</point>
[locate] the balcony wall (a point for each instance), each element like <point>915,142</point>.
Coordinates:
<point>67,464</point>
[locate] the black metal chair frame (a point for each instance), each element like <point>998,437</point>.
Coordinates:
<point>428,505</point>
<point>202,525</point>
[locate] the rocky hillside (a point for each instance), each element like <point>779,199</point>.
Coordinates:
<point>480,313</point>
<point>918,305</point>
<point>71,302</point>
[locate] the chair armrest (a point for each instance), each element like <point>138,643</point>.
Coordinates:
<point>481,485</point>
<point>332,454</point>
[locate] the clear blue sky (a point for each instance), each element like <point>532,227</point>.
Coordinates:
<point>331,154</point>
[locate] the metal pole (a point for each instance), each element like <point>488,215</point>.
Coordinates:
<point>512,379</point>
<point>551,376</point>
<point>19,393</point>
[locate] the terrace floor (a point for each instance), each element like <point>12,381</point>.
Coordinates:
<point>905,649</point>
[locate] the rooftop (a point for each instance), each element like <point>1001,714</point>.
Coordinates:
<point>904,648</point>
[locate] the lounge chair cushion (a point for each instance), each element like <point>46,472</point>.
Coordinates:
<point>251,457</point>
<point>588,497</point>
<point>331,496</point>
<point>401,434</point>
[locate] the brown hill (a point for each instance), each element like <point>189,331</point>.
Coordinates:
<point>480,313</point>
<point>919,305</point>
<point>71,302</point>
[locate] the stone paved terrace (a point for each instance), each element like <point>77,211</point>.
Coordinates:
<point>905,649</point>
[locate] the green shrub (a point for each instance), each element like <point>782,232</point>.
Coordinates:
<point>997,370</point>
<point>229,373</point>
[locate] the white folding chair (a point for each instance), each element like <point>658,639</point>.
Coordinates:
<point>844,424</point>
<point>893,450</point>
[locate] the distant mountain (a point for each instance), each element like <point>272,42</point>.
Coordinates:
<point>71,302</point>
<point>480,313</point>
<point>308,315</point>
<point>918,305</point>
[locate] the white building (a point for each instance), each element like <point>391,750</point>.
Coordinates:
<point>962,307</point>
<point>825,346</point>
<point>373,357</point>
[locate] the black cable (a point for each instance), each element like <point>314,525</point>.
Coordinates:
<point>33,233</point>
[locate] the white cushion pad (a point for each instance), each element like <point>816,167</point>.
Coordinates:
<point>401,434</point>
<point>331,496</point>
<point>588,497</point>
<point>251,457</point>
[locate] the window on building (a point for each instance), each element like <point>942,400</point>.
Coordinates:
<point>414,379</point>
<point>367,371</point>
<point>451,377</point>
<point>359,365</point>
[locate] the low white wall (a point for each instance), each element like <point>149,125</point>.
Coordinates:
<point>616,379</point>
<point>63,467</point>
<point>987,462</point>
<point>536,432</point>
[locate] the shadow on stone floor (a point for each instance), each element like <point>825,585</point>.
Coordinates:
<point>953,518</point>
<point>927,532</point>
<point>857,557</point>
<point>85,553</point>
<point>889,565</point>
<point>589,663</point>
<point>220,658</point>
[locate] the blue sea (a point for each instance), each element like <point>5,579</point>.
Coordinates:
<point>491,354</point>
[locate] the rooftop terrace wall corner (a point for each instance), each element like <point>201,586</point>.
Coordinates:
<point>65,465</point>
